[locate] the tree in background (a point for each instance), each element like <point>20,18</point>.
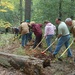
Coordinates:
<point>38,10</point>
<point>27,9</point>
<point>60,9</point>
<point>21,11</point>
<point>72,9</point>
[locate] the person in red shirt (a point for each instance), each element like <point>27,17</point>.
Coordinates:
<point>36,28</point>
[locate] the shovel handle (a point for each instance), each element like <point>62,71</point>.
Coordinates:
<point>49,46</point>
<point>66,49</point>
<point>39,43</point>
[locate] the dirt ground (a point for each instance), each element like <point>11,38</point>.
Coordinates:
<point>65,67</point>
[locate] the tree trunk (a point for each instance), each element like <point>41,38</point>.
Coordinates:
<point>21,12</point>
<point>60,8</point>
<point>72,9</point>
<point>27,9</point>
<point>0,1</point>
<point>26,64</point>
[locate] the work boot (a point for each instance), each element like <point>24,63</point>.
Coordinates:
<point>53,57</point>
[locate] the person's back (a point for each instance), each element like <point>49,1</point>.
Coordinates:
<point>37,29</point>
<point>24,29</point>
<point>63,29</point>
<point>50,29</point>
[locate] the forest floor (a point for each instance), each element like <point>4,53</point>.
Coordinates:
<point>7,45</point>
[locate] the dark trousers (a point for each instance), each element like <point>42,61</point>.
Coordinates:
<point>37,40</point>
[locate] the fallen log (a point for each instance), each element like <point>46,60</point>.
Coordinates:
<point>28,65</point>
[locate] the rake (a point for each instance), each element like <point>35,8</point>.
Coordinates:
<point>38,44</point>
<point>48,47</point>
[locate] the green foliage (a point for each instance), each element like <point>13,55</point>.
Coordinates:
<point>4,6</point>
<point>41,10</point>
<point>4,39</point>
<point>4,24</point>
<point>20,51</point>
<point>9,11</point>
<point>45,10</point>
<point>49,10</point>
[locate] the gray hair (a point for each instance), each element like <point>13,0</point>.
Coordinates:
<point>68,20</point>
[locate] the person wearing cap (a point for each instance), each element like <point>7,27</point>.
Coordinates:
<point>49,33</point>
<point>24,30</point>
<point>71,24</point>
<point>36,28</point>
<point>63,37</point>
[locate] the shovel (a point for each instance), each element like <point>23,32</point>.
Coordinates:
<point>48,47</point>
<point>38,44</point>
<point>65,51</point>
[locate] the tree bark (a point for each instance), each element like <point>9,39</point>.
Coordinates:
<point>72,9</point>
<point>28,9</point>
<point>21,12</point>
<point>60,8</point>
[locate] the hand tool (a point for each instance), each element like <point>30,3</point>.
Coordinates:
<point>48,47</point>
<point>59,58</point>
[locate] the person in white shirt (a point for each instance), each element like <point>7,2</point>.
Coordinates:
<point>63,37</point>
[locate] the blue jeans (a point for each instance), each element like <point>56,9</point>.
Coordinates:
<point>48,41</point>
<point>24,39</point>
<point>30,36</point>
<point>63,40</point>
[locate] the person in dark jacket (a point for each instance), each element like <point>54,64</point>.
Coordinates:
<point>36,28</point>
<point>15,30</point>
